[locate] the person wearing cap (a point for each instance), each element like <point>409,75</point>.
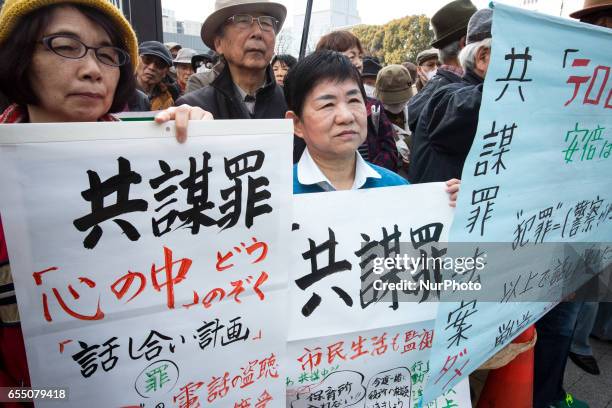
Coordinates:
<point>184,70</point>
<point>447,126</point>
<point>154,63</point>
<point>449,25</point>
<point>371,67</point>
<point>427,66</point>
<point>62,61</point>
<point>201,62</point>
<point>595,12</point>
<point>394,89</point>
<point>174,48</point>
<point>243,33</point>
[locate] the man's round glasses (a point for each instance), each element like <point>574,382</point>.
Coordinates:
<point>70,47</point>
<point>266,23</point>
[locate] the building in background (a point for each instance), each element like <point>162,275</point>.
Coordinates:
<point>186,33</point>
<point>327,15</point>
<point>168,20</point>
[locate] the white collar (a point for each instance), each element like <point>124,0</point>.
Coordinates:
<point>308,172</point>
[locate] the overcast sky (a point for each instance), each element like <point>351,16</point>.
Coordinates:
<point>370,11</point>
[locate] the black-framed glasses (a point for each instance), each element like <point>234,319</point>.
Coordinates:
<point>70,47</point>
<point>266,23</point>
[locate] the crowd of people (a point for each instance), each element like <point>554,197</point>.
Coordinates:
<point>357,124</point>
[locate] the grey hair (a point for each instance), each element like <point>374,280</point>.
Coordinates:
<point>468,53</point>
<point>449,52</point>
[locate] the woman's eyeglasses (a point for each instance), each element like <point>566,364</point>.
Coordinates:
<point>70,47</point>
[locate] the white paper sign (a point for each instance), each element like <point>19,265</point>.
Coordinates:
<point>352,345</point>
<point>145,269</point>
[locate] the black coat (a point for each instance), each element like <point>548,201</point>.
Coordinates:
<point>445,131</point>
<point>139,102</point>
<point>222,100</point>
<point>418,101</point>
<point>4,102</point>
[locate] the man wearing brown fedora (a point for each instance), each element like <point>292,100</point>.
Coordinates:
<point>243,33</point>
<point>450,27</point>
<point>596,12</point>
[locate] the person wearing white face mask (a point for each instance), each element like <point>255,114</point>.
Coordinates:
<point>427,66</point>
<point>371,66</point>
<point>431,73</point>
<point>394,90</point>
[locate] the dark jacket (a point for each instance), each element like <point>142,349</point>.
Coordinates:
<point>418,101</point>
<point>162,96</point>
<point>222,100</point>
<point>139,102</point>
<point>201,79</point>
<point>446,130</point>
<point>4,102</point>
<point>382,150</point>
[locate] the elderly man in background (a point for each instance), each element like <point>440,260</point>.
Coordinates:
<point>427,66</point>
<point>184,69</point>
<point>449,25</point>
<point>153,66</point>
<point>244,34</point>
<point>448,122</point>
